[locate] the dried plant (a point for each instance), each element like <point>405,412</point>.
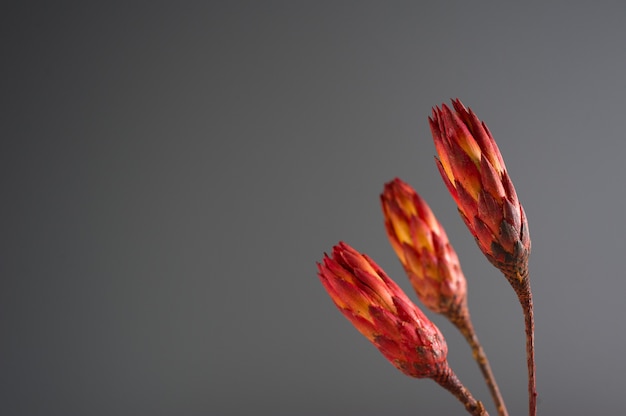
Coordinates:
<point>474,172</point>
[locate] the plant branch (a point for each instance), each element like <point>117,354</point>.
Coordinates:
<point>449,381</point>
<point>461,319</point>
<point>521,285</point>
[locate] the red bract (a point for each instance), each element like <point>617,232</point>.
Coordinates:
<point>423,248</point>
<point>474,172</point>
<point>383,313</point>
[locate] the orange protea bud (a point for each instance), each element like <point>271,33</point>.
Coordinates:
<point>432,266</point>
<point>423,248</point>
<point>383,313</point>
<point>474,172</point>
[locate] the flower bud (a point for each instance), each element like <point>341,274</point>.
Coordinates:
<point>474,172</point>
<point>383,313</point>
<point>423,248</point>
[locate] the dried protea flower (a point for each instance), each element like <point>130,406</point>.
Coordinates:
<point>472,168</point>
<point>423,248</point>
<point>432,266</point>
<point>474,172</point>
<point>384,314</point>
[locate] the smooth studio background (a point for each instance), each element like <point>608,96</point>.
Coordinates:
<point>171,172</point>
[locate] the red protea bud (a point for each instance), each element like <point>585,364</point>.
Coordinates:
<point>423,248</point>
<point>383,313</point>
<point>432,267</point>
<point>472,168</point>
<point>474,172</point>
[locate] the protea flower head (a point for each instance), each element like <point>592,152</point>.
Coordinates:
<point>474,172</point>
<point>423,248</point>
<point>383,313</point>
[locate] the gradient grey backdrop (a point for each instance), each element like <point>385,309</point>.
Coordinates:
<point>171,173</point>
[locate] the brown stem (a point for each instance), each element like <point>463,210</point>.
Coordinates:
<point>461,319</point>
<point>521,285</point>
<point>449,381</point>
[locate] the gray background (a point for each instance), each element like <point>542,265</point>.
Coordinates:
<point>171,173</point>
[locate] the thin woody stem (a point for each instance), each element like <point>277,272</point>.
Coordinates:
<point>461,319</point>
<point>449,381</point>
<point>525,297</point>
<point>521,284</point>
